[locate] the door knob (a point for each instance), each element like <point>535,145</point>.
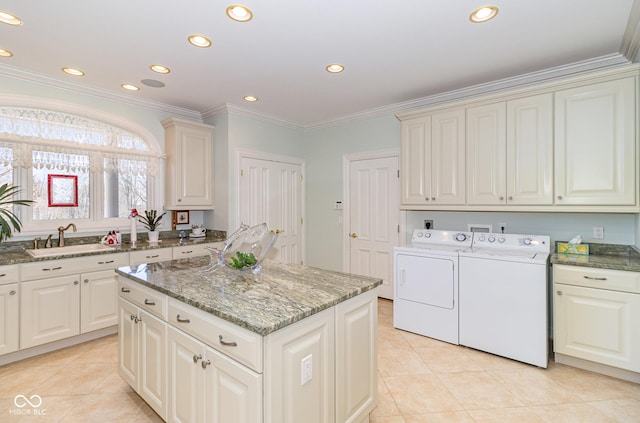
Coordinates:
<point>353,235</point>
<point>279,231</point>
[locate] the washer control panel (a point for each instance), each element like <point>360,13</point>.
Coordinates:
<point>512,241</point>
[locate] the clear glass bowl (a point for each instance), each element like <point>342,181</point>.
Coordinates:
<point>254,241</point>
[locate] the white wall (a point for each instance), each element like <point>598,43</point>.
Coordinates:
<point>325,149</point>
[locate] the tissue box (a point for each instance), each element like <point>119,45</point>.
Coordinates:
<point>580,249</point>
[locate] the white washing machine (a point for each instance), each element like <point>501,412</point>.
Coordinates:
<point>425,299</point>
<point>503,296</point>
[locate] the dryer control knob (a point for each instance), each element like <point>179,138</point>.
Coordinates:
<point>526,241</point>
<point>481,238</point>
<point>420,234</point>
<point>501,239</point>
<point>427,235</point>
<point>461,237</point>
<point>492,239</point>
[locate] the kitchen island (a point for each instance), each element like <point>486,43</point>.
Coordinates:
<point>294,343</point>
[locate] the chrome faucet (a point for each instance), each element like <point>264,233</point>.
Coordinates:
<point>61,233</point>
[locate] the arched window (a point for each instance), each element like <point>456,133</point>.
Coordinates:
<point>74,168</point>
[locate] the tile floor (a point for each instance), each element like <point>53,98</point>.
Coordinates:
<point>420,380</point>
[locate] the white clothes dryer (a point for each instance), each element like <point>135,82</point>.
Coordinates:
<point>425,297</point>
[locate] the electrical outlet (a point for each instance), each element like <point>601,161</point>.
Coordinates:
<point>428,224</point>
<point>598,232</point>
<point>306,369</point>
<point>502,228</point>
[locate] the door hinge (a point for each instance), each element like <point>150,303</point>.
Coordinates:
<point>398,172</point>
<point>398,228</point>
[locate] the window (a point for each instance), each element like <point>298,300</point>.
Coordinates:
<point>114,168</point>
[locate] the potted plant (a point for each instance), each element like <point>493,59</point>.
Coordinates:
<point>151,221</point>
<point>9,222</point>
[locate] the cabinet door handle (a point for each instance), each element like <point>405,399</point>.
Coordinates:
<point>559,292</point>
<point>197,357</point>
<point>156,256</point>
<point>182,320</point>
<point>510,198</point>
<point>593,278</point>
<point>205,363</point>
<point>48,269</point>
<point>501,198</point>
<point>147,302</point>
<point>3,275</point>
<point>559,197</point>
<point>86,281</point>
<point>187,252</point>
<point>123,289</point>
<point>105,262</point>
<point>76,282</point>
<point>12,292</point>
<point>227,344</point>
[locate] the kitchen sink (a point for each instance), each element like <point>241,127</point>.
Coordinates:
<point>68,250</point>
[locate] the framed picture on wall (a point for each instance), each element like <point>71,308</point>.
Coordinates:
<point>63,190</point>
<point>182,217</point>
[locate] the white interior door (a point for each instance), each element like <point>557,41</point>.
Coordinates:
<point>271,192</point>
<point>374,218</point>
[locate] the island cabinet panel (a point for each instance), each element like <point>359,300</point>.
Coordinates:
<point>50,310</point>
<point>9,314</point>
<point>145,298</point>
<point>98,300</point>
<point>142,355</point>
<point>300,371</point>
<point>356,357</point>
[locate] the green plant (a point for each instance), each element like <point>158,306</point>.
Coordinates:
<point>9,222</point>
<point>151,220</point>
<point>242,260</point>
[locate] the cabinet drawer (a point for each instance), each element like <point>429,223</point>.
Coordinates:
<point>146,298</point>
<point>194,250</point>
<point>8,274</point>
<point>150,256</point>
<point>616,280</point>
<point>70,266</point>
<point>246,346</point>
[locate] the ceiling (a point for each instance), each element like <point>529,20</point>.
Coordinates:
<point>393,51</point>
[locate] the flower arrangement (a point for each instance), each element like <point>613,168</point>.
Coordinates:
<point>150,220</point>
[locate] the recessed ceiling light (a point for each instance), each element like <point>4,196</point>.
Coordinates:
<point>5,53</point>
<point>130,87</point>
<point>239,13</point>
<point>72,71</point>
<point>10,19</point>
<point>160,68</point>
<point>483,14</point>
<point>335,68</point>
<point>199,41</point>
<point>251,98</point>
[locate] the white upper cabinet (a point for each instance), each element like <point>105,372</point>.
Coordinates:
<point>595,144</point>
<point>432,159</point>
<point>510,152</point>
<point>189,176</point>
<point>486,154</point>
<point>530,150</point>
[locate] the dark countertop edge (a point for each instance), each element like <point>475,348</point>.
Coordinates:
<point>260,330</point>
<point>554,259</point>
<point>18,256</point>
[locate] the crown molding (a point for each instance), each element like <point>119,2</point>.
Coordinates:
<point>229,108</point>
<point>630,46</point>
<point>24,75</point>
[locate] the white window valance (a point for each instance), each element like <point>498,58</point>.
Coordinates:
<point>23,130</point>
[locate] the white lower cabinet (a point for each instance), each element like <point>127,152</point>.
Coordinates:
<point>9,314</point>
<point>98,300</point>
<point>208,386</point>
<point>142,339</point>
<point>50,310</point>
<point>596,313</point>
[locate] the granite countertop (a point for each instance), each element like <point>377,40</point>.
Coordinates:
<point>280,295</point>
<point>14,252</point>
<point>603,256</point>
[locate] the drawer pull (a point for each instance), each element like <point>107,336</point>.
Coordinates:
<point>12,292</point>
<point>47,269</point>
<point>123,289</point>
<point>197,357</point>
<point>182,320</point>
<point>86,281</point>
<point>147,302</point>
<point>227,344</point>
<point>559,292</point>
<point>187,252</point>
<point>105,262</point>
<point>76,282</point>
<point>155,256</point>
<point>205,363</point>
<point>3,275</point>
<point>594,278</point>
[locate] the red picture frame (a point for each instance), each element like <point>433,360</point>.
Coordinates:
<point>63,190</point>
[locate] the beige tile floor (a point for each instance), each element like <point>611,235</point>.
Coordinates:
<point>420,380</point>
